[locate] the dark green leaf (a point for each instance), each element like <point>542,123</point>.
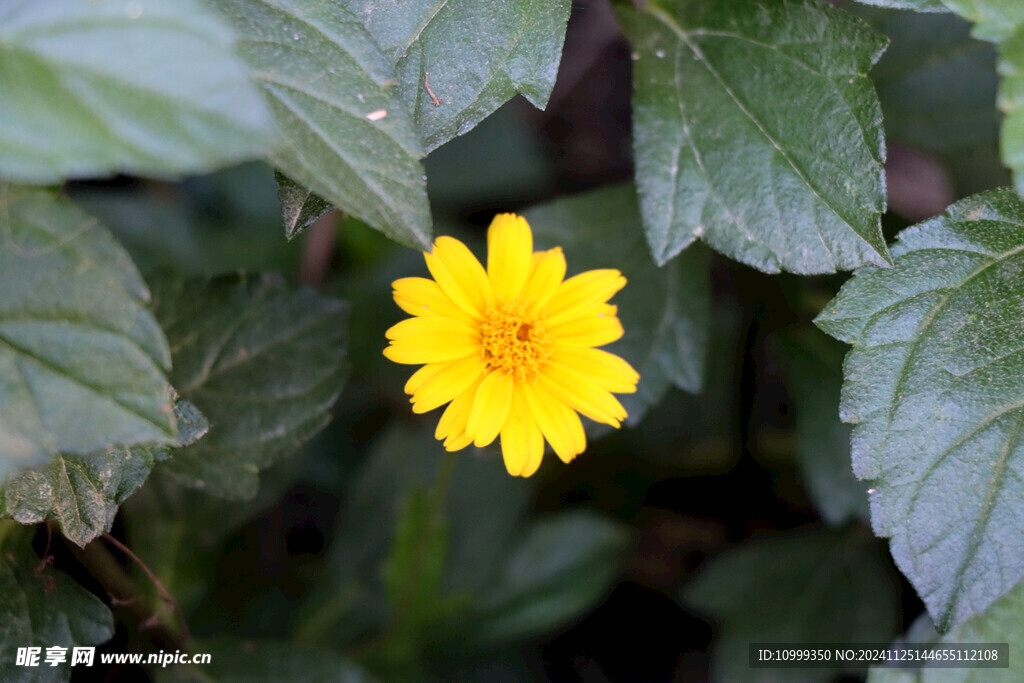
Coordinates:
<point>1003,622</point>
<point>263,362</point>
<point>933,387</point>
<point>817,586</point>
<point>92,88</point>
<point>814,363</point>
<point>756,128</point>
<point>485,509</point>
<point>346,134</point>
<point>478,53</point>
<point>242,661</point>
<point>221,222</point>
<point>300,208</point>
<point>82,492</point>
<point>43,607</point>
<point>995,19</point>
<point>937,85</point>
<point>563,566</point>
<point>1011,102</point>
<point>81,360</point>
<point>919,5</point>
<point>665,311</point>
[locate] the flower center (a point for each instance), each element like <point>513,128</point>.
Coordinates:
<point>513,343</point>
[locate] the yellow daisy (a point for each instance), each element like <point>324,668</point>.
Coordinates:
<point>511,350</point>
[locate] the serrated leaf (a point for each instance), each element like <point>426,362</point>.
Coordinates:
<point>81,360</point>
<point>806,587</point>
<point>83,492</point>
<point>300,208</point>
<point>263,361</point>
<point>32,614</point>
<point>238,661</point>
<point>478,53</point>
<point>665,311</point>
<point>346,135</point>
<point>937,85</point>
<point>919,5</point>
<point>94,88</point>
<point>933,387</point>
<point>1011,102</point>
<point>1003,622</point>
<point>562,566</point>
<point>814,366</point>
<point>756,129</point>
<point>994,19</point>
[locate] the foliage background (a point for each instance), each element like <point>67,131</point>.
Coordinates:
<point>303,519</point>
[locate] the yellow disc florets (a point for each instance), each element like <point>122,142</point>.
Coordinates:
<point>512,341</point>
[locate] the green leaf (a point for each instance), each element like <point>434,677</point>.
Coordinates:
<point>239,661</point>
<point>937,85</point>
<point>478,53</point>
<point>1003,622</point>
<point>264,362</point>
<point>919,5</point>
<point>300,208</point>
<point>43,607</point>
<point>817,586</point>
<point>81,360</point>
<point>933,387</point>
<point>82,492</point>
<point>1011,102</point>
<point>995,19</point>
<point>814,366</point>
<point>562,567</point>
<point>346,135</point>
<point>664,311</point>
<point>94,88</point>
<point>756,128</point>
<point>484,512</point>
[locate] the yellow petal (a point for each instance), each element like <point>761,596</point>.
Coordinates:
<point>420,296</point>
<point>559,423</point>
<point>509,254</point>
<point>460,276</point>
<point>582,393</point>
<point>450,382</point>
<point>423,374</point>
<point>490,408</point>
<point>607,369</point>
<point>596,330</point>
<point>431,339</point>
<point>452,425</point>
<point>580,295</point>
<point>548,272</point>
<point>522,444</point>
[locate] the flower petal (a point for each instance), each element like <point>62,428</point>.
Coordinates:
<point>558,422</point>
<point>509,254</point>
<point>582,393</point>
<point>420,296</point>
<point>522,444</point>
<point>431,339</point>
<point>460,276</point>
<point>490,408</point>
<point>596,330</point>
<point>423,374</point>
<point>547,274</point>
<point>581,294</point>
<point>607,369</point>
<point>453,380</point>
<point>452,425</point>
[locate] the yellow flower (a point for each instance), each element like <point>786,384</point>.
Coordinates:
<point>511,349</point>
